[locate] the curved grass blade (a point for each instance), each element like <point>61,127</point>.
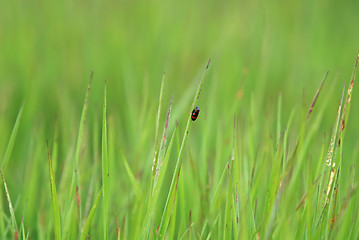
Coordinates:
<point>54,202</point>
<point>90,217</point>
<point>10,145</point>
<point>105,170</point>
<point>12,213</point>
<point>174,183</point>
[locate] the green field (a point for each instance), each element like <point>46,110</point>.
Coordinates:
<point>111,85</point>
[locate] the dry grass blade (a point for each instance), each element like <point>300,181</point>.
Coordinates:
<point>348,100</point>
<point>317,94</point>
<point>334,134</point>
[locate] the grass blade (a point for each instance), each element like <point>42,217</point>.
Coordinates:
<point>12,140</point>
<point>317,94</point>
<point>162,147</point>
<point>173,188</point>
<point>154,166</point>
<point>7,155</point>
<point>54,202</point>
<point>88,222</point>
<point>12,213</point>
<point>346,109</point>
<point>76,175</point>
<point>229,216</point>
<point>105,170</point>
<point>329,160</point>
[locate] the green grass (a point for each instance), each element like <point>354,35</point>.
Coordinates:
<point>272,155</point>
<point>54,202</point>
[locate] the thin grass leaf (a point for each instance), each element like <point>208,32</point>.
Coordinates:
<point>346,108</point>
<point>162,146</point>
<point>76,174</point>
<point>229,216</point>
<point>227,227</point>
<point>154,166</point>
<point>173,188</point>
<point>330,154</point>
<point>187,230</point>
<point>54,202</point>
<point>10,145</point>
<point>304,141</point>
<point>12,212</point>
<point>88,222</point>
<point>317,94</point>
<point>105,170</point>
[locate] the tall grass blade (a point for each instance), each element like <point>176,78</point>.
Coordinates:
<point>76,175</point>
<point>154,166</point>
<point>162,146</point>
<point>330,154</point>
<point>54,202</point>
<point>10,145</point>
<point>229,216</point>
<point>173,188</point>
<point>346,108</point>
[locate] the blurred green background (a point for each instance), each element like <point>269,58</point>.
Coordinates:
<point>259,50</point>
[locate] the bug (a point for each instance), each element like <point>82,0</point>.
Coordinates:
<point>195,113</point>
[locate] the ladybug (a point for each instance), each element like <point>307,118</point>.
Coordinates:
<point>195,113</point>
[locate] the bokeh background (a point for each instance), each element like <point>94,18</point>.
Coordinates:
<point>260,50</point>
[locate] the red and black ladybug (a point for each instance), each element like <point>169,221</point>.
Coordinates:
<point>195,113</point>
